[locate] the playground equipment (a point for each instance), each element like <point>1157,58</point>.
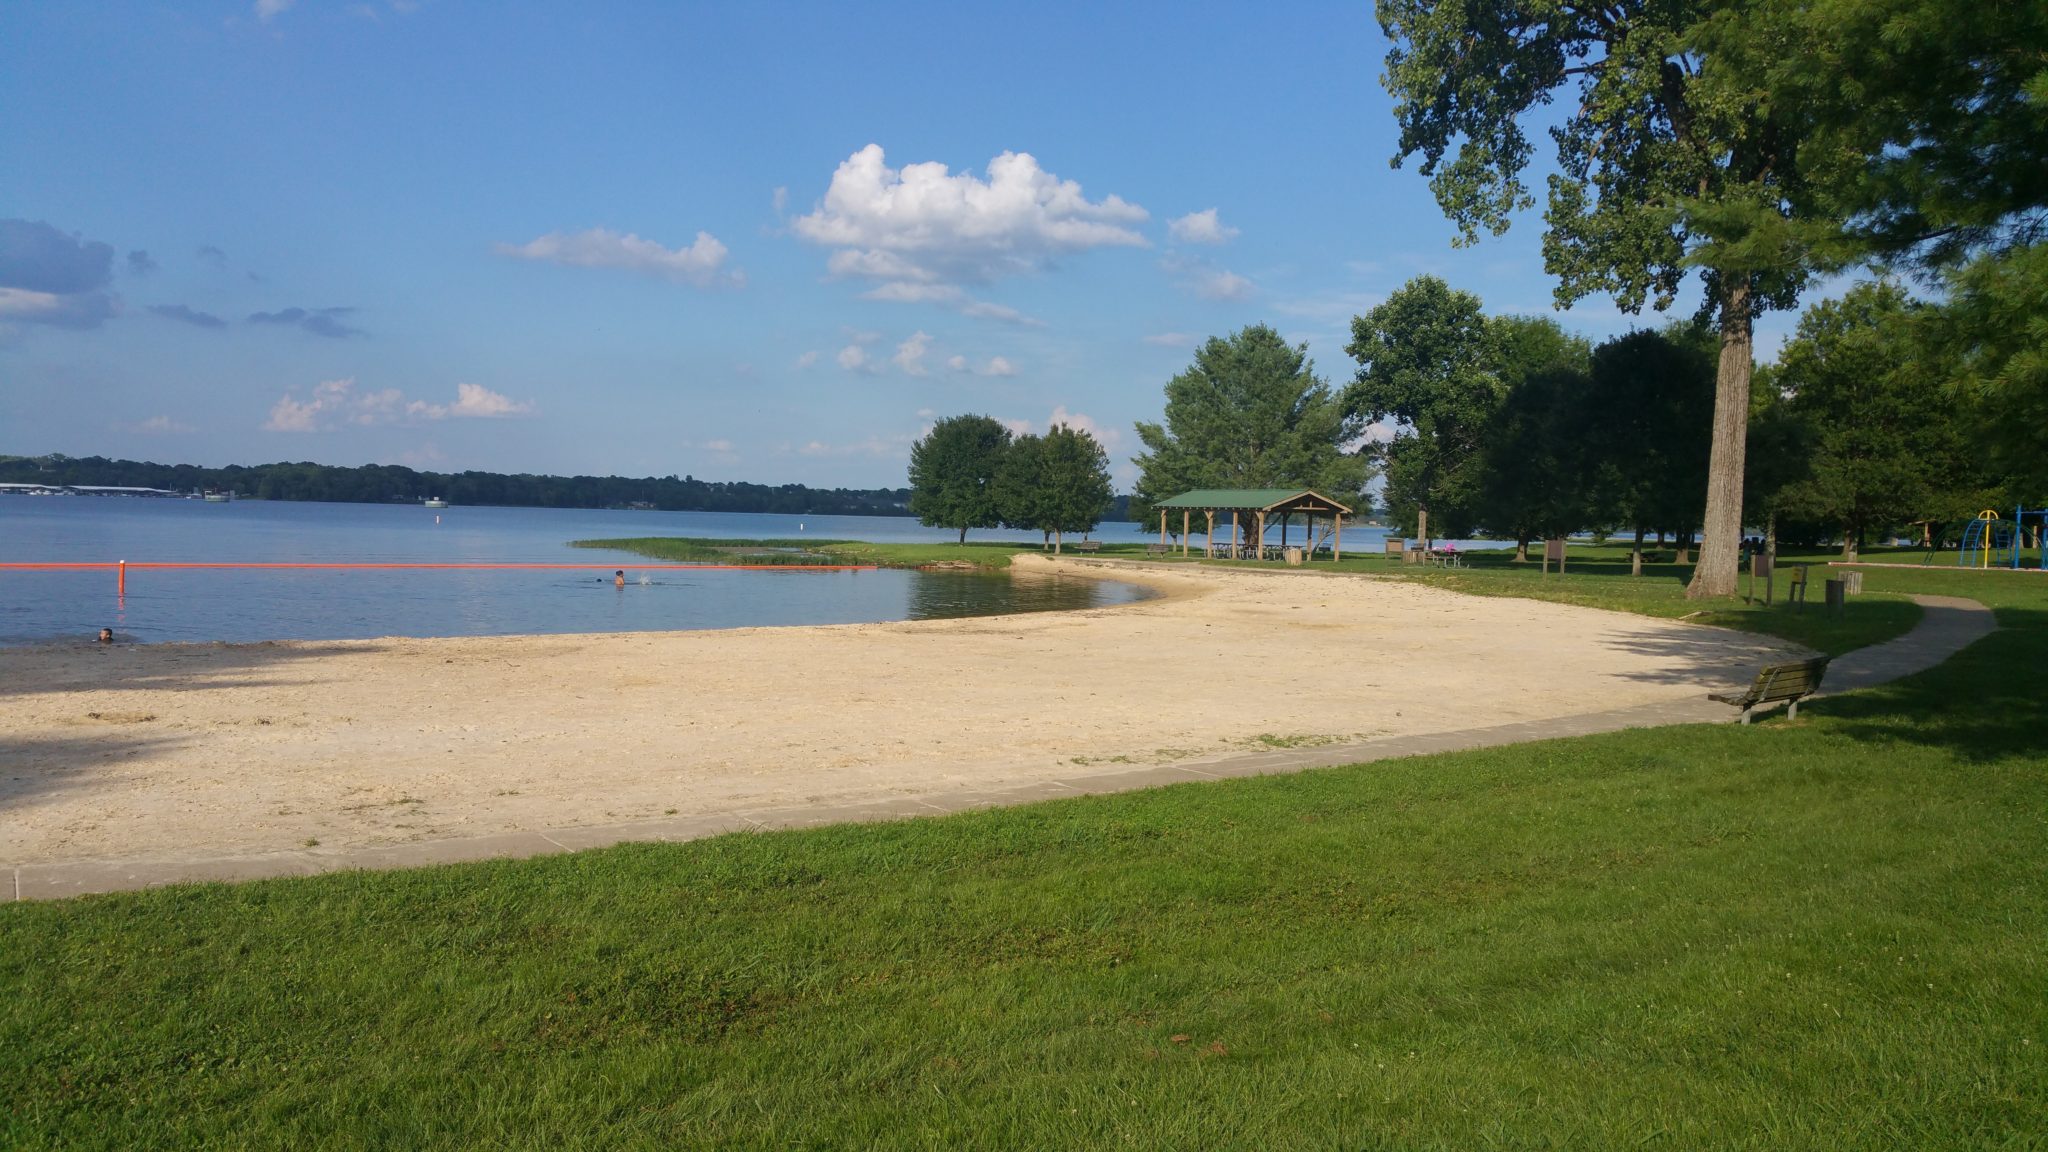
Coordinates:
<point>1991,541</point>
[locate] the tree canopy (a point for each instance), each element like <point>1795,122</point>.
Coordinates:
<point>1428,360</point>
<point>1887,444</point>
<point>1674,159</point>
<point>1250,412</point>
<point>1055,483</point>
<point>953,474</point>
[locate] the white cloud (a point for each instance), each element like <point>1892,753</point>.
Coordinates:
<point>1200,228</point>
<point>1222,285</point>
<point>1082,422</point>
<point>780,199</point>
<point>479,401</point>
<point>266,10</point>
<point>1172,339</point>
<point>722,447</point>
<point>1078,421</point>
<point>993,366</point>
<point>807,359</point>
<point>922,231</point>
<point>334,403</point>
<point>697,264</point>
<point>1332,307</point>
<point>854,358</point>
<point>1205,279</point>
<point>876,446</point>
<point>910,354</point>
<point>158,426</point>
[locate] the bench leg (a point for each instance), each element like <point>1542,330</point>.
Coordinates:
<point>1745,715</point>
<point>1792,710</point>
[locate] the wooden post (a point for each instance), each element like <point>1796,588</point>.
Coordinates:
<point>1209,535</point>
<point>1235,541</point>
<point>1422,527</point>
<point>1337,546</point>
<point>1184,514</point>
<point>1162,527</point>
<point>1259,544</point>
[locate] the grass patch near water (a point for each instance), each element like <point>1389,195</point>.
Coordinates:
<point>1826,934</point>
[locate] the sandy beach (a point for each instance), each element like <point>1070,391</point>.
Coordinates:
<point>208,750</point>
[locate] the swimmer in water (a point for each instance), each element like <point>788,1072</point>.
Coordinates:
<point>619,578</point>
<point>106,635</point>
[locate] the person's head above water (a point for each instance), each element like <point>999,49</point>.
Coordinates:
<point>106,635</point>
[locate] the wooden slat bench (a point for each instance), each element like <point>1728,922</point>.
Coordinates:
<point>1158,549</point>
<point>1086,545</point>
<point>1790,683</point>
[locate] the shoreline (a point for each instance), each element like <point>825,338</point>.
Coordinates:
<point>212,750</point>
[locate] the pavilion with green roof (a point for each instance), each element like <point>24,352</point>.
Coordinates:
<point>1255,505</point>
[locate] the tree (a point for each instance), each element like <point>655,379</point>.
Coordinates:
<point>1886,440</point>
<point>1250,412</point>
<point>1073,482</point>
<point>1019,485</point>
<point>1646,417</point>
<point>1532,473</point>
<point>1676,157</point>
<point>952,474</point>
<point>1427,358</point>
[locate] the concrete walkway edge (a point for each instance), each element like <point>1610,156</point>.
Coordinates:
<point>1948,625</point>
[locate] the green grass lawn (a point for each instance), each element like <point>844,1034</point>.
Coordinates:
<point>1823,934</point>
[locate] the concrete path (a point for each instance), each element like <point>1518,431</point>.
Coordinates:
<point>1948,625</point>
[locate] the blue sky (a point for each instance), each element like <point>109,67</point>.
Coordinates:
<point>764,242</point>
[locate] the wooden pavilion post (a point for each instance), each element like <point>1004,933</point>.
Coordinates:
<point>1209,534</point>
<point>1184,514</point>
<point>1337,547</point>
<point>1235,536</point>
<point>1162,527</point>
<point>1259,543</point>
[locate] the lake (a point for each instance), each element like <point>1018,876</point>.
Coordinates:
<point>206,605</point>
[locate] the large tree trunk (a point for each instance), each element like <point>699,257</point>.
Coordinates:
<point>1521,547</point>
<point>1721,545</point>
<point>963,533</point>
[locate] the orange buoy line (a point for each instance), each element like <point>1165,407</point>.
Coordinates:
<point>122,566</point>
<point>54,565</point>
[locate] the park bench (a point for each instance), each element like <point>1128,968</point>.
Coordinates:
<point>1086,545</point>
<point>1158,549</point>
<point>1790,683</point>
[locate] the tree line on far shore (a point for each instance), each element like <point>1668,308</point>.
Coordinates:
<point>973,472</point>
<point>391,483</point>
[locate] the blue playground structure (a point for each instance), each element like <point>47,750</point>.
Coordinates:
<point>1992,541</point>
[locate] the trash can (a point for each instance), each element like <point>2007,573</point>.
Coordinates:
<point>1835,592</point>
<point>1294,556</point>
<point>1852,583</point>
